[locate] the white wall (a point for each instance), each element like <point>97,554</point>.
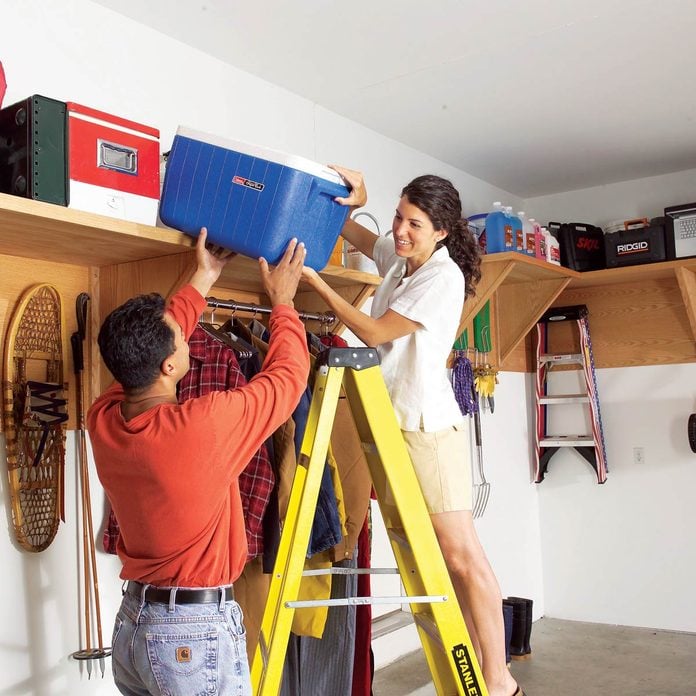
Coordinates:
<point>77,51</point>
<point>624,552</point>
<point>623,201</point>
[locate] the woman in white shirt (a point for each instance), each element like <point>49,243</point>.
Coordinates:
<point>429,265</point>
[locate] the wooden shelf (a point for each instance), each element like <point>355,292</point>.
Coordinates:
<point>33,229</point>
<point>523,289</point>
<point>115,259</point>
<point>641,315</point>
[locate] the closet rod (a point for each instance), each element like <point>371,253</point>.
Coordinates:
<point>214,302</point>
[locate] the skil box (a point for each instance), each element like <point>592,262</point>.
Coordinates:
<point>582,245</point>
<point>33,148</point>
<point>633,246</point>
<point>113,165</point>
<point>250,199</point>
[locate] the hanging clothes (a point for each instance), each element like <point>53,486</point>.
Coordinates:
<point>214,367</point>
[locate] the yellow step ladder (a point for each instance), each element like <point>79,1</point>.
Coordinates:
<point>445,639</point>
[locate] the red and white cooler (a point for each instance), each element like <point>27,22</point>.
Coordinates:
<point>113,165</point>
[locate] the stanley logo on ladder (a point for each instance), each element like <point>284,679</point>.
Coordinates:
<point>590,446</point>
<point>436,613</point>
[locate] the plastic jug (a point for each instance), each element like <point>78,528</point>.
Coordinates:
<point>553,249</point>
<point>498,230</point>
<point>517,231</point>
<point>539,241</point>
<point>527,233</point>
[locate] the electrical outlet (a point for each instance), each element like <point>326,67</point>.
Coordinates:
<point>638,455</point>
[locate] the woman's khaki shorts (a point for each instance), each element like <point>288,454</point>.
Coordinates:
<point>442,462</point>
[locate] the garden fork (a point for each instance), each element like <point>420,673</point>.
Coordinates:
<point>481,489</point>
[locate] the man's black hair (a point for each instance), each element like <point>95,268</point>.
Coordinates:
<point>134,340</point>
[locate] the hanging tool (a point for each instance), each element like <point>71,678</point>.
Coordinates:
<point>481,488</point>
<point>590,445</point>
<point>89,557</point>
<point>485,375</point>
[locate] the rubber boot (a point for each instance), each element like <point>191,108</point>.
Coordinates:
<point>507,620</point>
<point>527,644</point>
<point>519,628</point>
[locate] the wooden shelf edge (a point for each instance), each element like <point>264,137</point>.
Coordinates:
<point>686,278</point>
<point>55,233</point>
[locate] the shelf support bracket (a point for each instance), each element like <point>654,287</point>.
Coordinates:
<point>519,311</point>
<point>687,284</point>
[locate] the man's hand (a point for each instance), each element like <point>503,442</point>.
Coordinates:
<point>210,260</point>
<point>281,282</point>
<point>358,193</point>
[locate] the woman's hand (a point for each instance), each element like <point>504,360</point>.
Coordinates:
<point>310,275</point>
<point>358,193</point>
<point>281,282</point>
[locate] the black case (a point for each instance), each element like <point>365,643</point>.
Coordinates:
<point>582,245</point>
<point>632,247</point>
<point>684,248</point>
<point>33,150</point>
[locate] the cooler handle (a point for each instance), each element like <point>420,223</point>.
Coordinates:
<point>118,158</point>
<point>631,224</point>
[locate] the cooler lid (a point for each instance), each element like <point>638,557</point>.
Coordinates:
<point>96,116</point>
<point>293,161</point>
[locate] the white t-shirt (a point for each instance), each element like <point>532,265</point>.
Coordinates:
<point>415,366</point>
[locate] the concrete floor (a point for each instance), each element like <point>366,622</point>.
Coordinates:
<point>571,658</point>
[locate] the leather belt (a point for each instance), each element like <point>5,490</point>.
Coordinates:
<point>182,596</point>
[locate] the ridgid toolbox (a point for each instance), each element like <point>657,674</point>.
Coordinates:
<point>69,154</point>
<point>251,200</point>
<point>635,245</point>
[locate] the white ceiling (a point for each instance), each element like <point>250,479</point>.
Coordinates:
<point>535,97</point>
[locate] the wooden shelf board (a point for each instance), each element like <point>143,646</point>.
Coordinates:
<point>33,229</point>
<point>631,274</point>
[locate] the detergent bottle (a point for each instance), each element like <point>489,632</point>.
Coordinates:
<point>527,233</point>
<point>539,241</point>
<point>498,230</point>
<point>553,249</point>
<point>517,232</point>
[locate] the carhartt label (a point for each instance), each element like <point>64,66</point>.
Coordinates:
<point>242,181</point>
<point>183,654</point>
<point>632,248</point>
<point>460,653</point>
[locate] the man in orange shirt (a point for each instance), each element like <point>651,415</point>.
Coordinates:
<point>171,473</point>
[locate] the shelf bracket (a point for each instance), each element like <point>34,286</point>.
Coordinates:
<point>687,284</point>
<point>519,311</point>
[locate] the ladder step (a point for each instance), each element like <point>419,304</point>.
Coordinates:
<point>398,535</point>
<point>359,601</point>
<point>426,622</point>
<point>567,441</point>
<point>564,399</point>
<point>560,358</point>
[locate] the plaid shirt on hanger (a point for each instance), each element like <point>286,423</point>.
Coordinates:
<point>214,367</point>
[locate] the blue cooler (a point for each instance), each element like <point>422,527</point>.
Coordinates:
<point>251,200</point>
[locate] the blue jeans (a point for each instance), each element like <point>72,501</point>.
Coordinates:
<point>180,649</point>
